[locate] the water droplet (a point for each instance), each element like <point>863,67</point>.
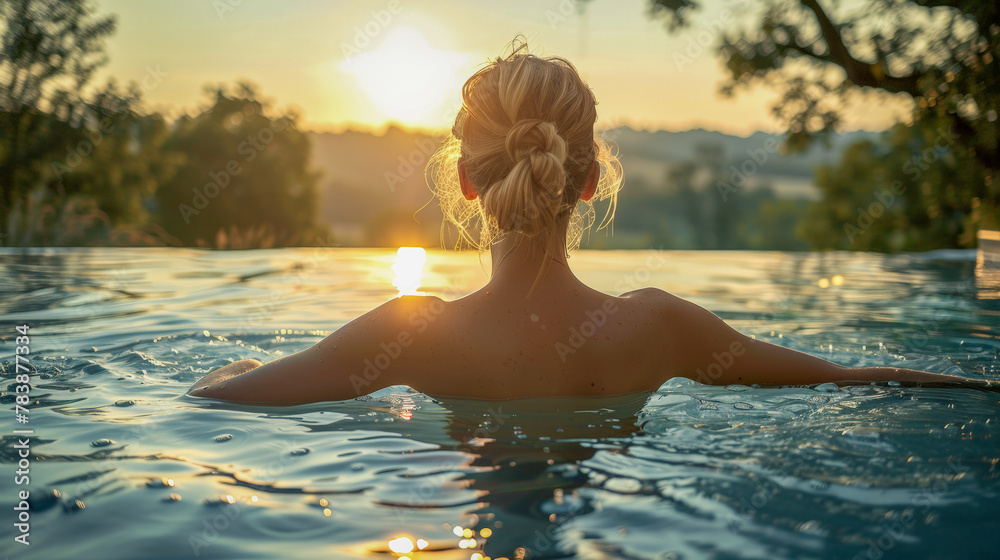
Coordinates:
<point>223,437</point>
<point>221,501</point>
<point>742,406</point>
<point>300,451</point>
<point>124,402</point>
<point>74,505</point>
<point>811,527</point>
<point>103,442</point>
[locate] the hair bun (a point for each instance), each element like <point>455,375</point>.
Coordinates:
<point>524,138</point>
<point>528,135</point>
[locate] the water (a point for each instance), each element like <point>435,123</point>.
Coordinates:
<point>690,471</point>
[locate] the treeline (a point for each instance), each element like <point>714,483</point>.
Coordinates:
<point>79,168</point>
<point>84,163</point>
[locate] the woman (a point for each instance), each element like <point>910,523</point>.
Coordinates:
<point>521,157</point>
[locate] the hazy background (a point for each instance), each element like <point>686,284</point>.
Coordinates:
<point>740,125</point>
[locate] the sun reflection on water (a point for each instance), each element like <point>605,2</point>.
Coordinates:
<point>406,547</point>
<point>409,268</point>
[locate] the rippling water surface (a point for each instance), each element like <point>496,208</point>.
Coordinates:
<point>126,466</point>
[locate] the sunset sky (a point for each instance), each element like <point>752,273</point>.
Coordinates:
<point>352,64</point>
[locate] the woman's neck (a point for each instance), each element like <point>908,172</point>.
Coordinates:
<point>517,259</point>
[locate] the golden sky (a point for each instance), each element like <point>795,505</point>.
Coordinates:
<point>363,64</point>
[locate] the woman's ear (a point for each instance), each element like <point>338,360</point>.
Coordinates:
<point>468,189</point>
<point>590,187</point>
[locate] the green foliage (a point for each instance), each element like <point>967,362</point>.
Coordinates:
<point>942,54</point>
<point>243,169</point>
<point>48,54</point>
<point>80,168</point>
<point>116,157</point>
<point>37,220</point>
<point>773,226</point>
<point>46,219</point>
<point>917,190</point>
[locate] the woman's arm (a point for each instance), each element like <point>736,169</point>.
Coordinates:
<point>712,352</point>
<point>337,368</point>
<point>311,375</point>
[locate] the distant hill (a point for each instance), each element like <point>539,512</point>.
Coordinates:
<point>373,190</point>
<point>371,186</point>
<point>645,156</point>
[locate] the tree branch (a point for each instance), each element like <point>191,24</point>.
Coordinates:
<point>795,47</point>
<point>858,72</point>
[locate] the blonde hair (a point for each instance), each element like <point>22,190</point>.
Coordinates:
<point>525,134</point>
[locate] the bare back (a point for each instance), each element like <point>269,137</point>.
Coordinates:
<point>484,346</point>
<point>577,342</point>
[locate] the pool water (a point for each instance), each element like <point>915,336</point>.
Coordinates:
<point>125,465</point>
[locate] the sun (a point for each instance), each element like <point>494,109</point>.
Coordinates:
<point>407,80</point>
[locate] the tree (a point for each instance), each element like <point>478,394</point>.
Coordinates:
<point>712,218</point>
<point>244,170</point>
<point>941,54</point>
<point>116,157</point>
<point>50,50</point>
<point>916,190</point>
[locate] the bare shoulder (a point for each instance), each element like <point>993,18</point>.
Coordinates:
<point>398,315</point>
<point>683,336</point>
<point>665,303</point>
<point>674,316</point>
<point>399,309</point>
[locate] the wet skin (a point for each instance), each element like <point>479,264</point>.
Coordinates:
<point>506,341</point>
